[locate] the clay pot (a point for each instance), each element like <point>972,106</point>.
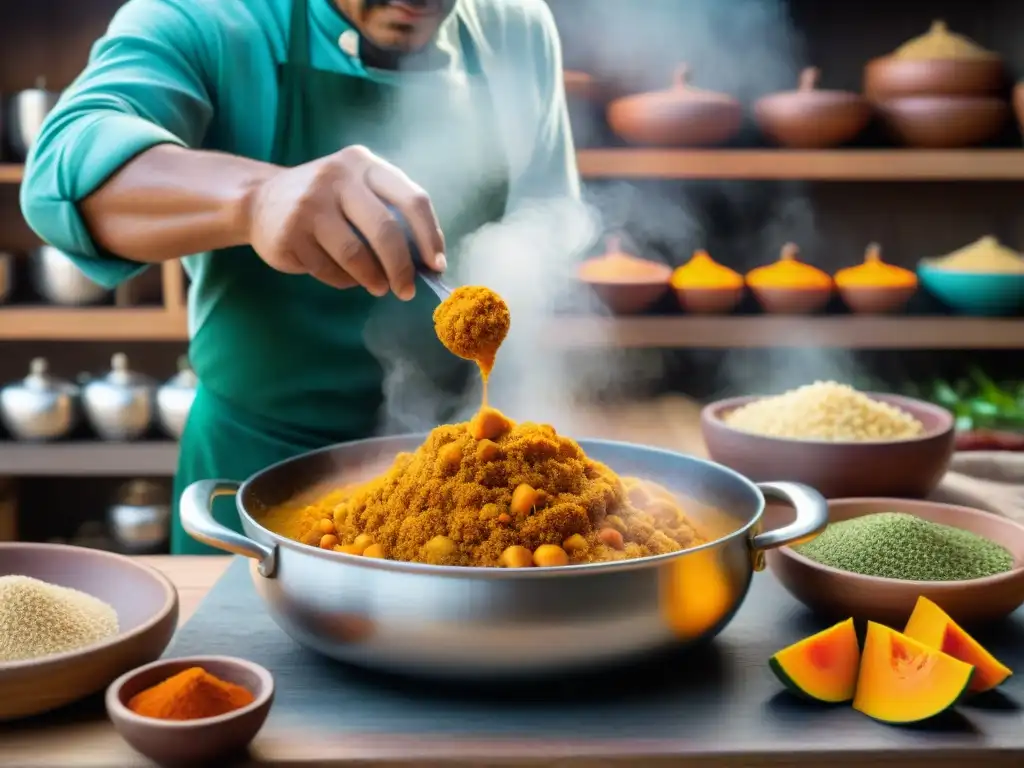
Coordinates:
<point>709,301</point>
<point>976,72</point>
<point>866,298</point>
<point>795,299</point>
<point>943,122</point>
<point>682,116</point>
<point>809,118</point>
<point>626,292</point>
<point>705,287</point>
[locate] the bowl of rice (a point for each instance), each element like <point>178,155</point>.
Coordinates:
<point>842,442</point>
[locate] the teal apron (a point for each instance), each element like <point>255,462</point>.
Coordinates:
<point>288,364</point>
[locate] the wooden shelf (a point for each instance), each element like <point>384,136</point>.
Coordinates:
<point>837,165</point>
<point>779,164</point>
<point>760,331</point>
<point>100,324</point>
<point>88,459</point>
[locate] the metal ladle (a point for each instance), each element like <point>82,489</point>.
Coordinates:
<point>427,275</point>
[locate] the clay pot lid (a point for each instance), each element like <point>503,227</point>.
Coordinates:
<point>939,43</point>
<point>617,265</point>
<point>875,273</point>
<point>682,91</point>
<point>790,273</point>
<point>808,93</point>
<point>702,271</point>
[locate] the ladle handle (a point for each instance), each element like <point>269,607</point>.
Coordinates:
<point>811,515</point>
<point>198,522</point>
<point>429,276</point>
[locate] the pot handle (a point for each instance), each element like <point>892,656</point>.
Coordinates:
<point>198,522</point>
<point>811,515</point>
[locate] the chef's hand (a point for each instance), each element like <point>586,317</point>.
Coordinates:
<point>301,221</point>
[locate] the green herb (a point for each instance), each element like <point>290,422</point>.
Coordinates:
<point>895,545</point>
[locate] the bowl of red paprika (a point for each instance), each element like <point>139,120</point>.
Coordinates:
<point>191,710</point>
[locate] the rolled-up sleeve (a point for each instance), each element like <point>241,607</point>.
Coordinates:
<point>146,83</point>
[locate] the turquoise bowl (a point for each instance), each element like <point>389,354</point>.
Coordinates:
<point>975,293</point>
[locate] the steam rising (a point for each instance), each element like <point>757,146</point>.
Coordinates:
<point>745,47</point>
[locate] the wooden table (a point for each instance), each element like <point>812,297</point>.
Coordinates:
<point>82,738</point>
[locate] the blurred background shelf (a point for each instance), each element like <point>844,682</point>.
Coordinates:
<point>762,332</point>
<point>76,459</point>
<point>836,165</point>
<point>777,164</point>
<point>99,324</point>
<point>580,332</point>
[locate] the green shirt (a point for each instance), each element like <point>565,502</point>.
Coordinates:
<point>202,74</point>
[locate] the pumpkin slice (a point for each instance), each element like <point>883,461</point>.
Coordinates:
<point>904,681</point>
<point>930,625</point>
<point>822,667</point>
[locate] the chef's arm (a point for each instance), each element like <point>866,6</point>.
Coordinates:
<point>125,127</point>
<point>550,170</point>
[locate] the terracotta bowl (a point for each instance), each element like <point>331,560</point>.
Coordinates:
<point>628,297</point>
<point>905,468</point>
<point>888,77</point>
<point>840,594</point>
<point>812,120</point>
<point>709,301</point>
<point>792,301</point>
<point>943,122</point>
<point>879,300</point>
<point>187,742</point>
<point>147,611</point>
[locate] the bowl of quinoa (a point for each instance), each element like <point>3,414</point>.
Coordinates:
<point>840,441</point>
<point>878,555</point>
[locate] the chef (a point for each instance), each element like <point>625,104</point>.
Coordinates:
<point>255,138</point>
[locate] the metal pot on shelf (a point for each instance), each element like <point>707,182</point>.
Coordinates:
<point>139,519</point>
<point>174,399</point>
<point>56,278</point>
<point>119,406</point>
<point>25,114</point>
<point>40,407</point>
<point>6,275</point>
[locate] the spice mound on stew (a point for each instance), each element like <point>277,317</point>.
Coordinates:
<point>472,323</point>
<point>190,695</point>
<point>41,619</point>
<point>521,496</point>
<point>895,545</point>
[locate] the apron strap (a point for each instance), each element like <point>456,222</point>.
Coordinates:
<point>298,34</point>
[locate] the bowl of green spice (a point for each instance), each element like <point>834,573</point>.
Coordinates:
<point>877,556</point>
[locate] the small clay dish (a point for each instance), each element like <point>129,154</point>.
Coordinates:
<point>943,122</point>
<point>904,468</point>
<point>791,301</point>
<point>625,283</point>
<point>809,118</point>
<point>147,613</point>
<point>841,594</point>
<point>682,116</point>
<point>187,742</point>
<point>876,300</point>
<point>709,301</point>
<point>974,71</point>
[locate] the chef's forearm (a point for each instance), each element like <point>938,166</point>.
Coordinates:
<point>170,202</point>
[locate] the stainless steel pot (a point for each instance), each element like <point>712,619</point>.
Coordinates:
<point>40,407</point>
<point>25,114</point>
<point>119,406</point>
<point>139,519</point>
<point>453,622</point>
<point>174,399</point>
<point>57,279</point>
<point>6,275</point>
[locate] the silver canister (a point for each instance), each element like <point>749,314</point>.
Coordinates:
<point>139,519</point>
<point>40,407</point>
<point>119,406</point>
<point>56,278</point>
<point>174,399</point>
<point>26,111</point>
